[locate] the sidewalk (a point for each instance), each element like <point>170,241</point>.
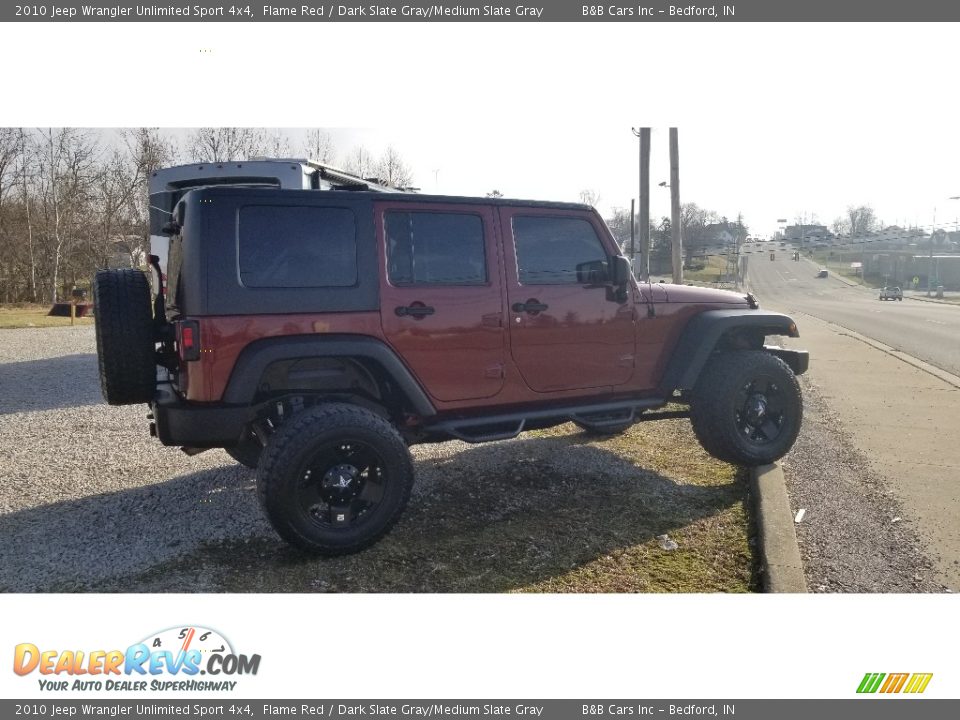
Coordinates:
<point>901,413</point>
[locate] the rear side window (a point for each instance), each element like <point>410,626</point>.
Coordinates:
<point>430,248</point>
<point>556,250</point>
<point>297,247</point>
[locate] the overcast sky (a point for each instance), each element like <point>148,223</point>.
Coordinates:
<point>767,171</point>
<point>776,120</point>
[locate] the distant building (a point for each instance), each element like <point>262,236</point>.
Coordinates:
<point>807,233</point>
<point>718,234</point>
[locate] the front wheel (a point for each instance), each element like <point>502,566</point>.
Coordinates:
<point>747,408</point>
<point>334,479</point>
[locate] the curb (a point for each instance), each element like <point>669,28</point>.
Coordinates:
<point>780,560</point>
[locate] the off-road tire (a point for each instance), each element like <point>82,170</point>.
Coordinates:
<point>717,412</point>
<point>288,461</point>
<point>247,452</point>
<point>125,343</point>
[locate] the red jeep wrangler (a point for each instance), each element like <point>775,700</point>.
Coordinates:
<point>316,334</point>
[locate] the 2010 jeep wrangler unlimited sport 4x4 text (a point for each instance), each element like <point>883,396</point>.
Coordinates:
<point>316,334</point>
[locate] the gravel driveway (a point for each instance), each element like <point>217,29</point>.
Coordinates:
<point>85,494</point>
<point>88,501</point>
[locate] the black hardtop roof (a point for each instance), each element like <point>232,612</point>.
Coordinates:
<point>415,198</point>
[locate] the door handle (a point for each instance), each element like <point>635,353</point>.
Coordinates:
<point>532,306</point>
<point>415,311</point>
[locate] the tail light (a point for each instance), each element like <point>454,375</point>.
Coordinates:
<point>188,339</point>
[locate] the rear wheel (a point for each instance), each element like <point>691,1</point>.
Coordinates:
<point>747,408</point>
<point>334,479</point>
<point>126,350</point>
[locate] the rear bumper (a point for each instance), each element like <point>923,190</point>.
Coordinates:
<point>797,360</point>
<point>204,426</point>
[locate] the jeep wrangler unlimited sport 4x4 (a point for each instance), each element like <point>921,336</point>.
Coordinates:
<point>316,334</point>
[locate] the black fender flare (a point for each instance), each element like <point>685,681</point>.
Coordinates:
<point>703,333</point>
<point>258,355</point>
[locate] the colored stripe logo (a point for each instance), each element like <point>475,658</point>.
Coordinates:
<point>913,683</point>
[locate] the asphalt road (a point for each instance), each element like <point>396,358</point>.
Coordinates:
<point>925,330</point>
<point>875,465</point>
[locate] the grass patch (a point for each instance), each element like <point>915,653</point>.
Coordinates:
<point>716,266</point>
<point>27,315</point>
<point>556,511</point>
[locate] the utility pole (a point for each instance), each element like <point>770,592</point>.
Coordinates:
<point>633,247</point>
<point>739,240</point>
<point>645,203</point>
<point>675,207</point>
<point>930,266</point>
<point>644,220</point>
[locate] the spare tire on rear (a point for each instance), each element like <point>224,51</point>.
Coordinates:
<point>125,344</point>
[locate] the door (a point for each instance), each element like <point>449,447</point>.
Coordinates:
<point>567,329</point>
<point>441,306</point>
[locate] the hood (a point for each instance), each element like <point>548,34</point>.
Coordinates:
<point>690,294</point>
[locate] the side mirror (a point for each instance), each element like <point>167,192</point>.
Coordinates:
<point>622,271</point>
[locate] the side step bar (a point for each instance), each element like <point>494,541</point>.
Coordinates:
<point>509,425</point>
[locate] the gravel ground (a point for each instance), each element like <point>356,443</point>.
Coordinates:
<point>88,501</point>
<point>853,536</point>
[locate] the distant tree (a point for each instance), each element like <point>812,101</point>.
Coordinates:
<point>226,143</point>
<point>359,162</point>
<point>661,251</point>
<point>319,146</point>
<point>494,194</point>
<point>66,161</point>
<point>392,170</point>
<point>589,197</point>
<point>278,145</point>
<point>861,220</point>
<point>693,224</point>
<point>619,224</point>
<point>147,150</point>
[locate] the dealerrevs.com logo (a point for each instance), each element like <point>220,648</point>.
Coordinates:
<point>180,658</point>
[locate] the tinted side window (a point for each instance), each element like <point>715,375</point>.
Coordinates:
<point>551,250</point>
<point>429,248</point>
<point>297,247</point>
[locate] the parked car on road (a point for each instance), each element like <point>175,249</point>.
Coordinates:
<point>891,293</point>
<point>823,273</point>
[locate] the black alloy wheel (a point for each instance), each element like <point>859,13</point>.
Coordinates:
<point>335,478</point>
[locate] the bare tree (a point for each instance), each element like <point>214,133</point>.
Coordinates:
<point>861,220</point>
<point>319,146</point>
<point>495,194</point>
<point>359,162</point>
<point>278,145</point>
<point>147,150</point>
<point>9,155</point>
<point>619,224</point>
<point>226,143</point>
<point>589,197</point>
<point>392,170</point>
<point>693,224</point>
<point>66,160</point>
